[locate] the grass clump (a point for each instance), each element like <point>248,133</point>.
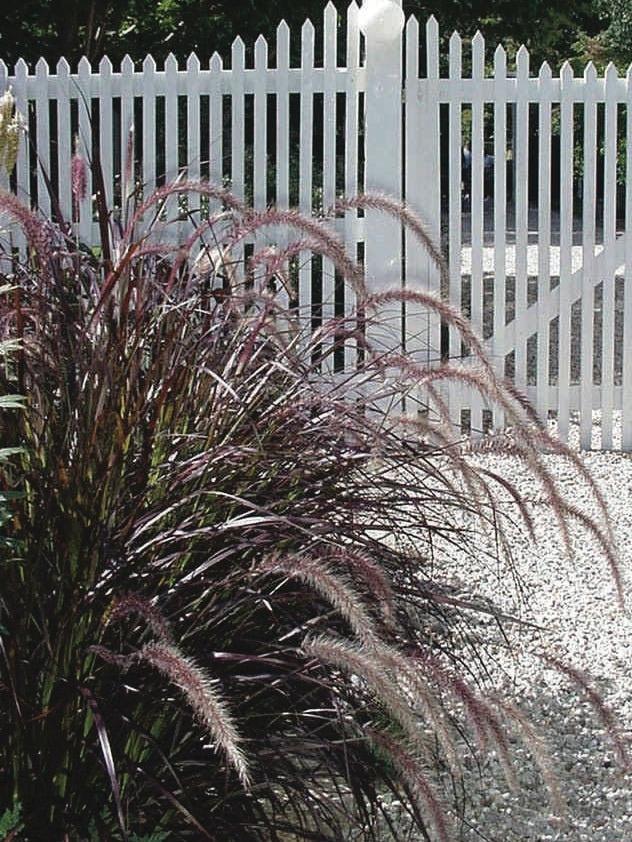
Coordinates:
<point>219,617</point>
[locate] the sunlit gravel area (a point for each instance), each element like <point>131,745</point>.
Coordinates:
<point>568,606</point>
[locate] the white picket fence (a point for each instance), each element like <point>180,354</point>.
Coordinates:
<point>535,218</point>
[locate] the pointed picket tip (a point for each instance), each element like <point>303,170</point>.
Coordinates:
<point>611,71</point>
<point>238,54</point>
<point>193,63</point>
<point>412,29</point>
<point>432,31</point>
<point>307,28</point>
<point>566,71</point>
<point>261,52</point>
<point>628,74</point>
<point>22,68</point>
<point>283,45</point>
<point>545,71</point>
<point>41,67</point>
<point>127,65</point>
<point>238,45</point>
<point>500,61</point>
<point>522,60</point>
<point>84,66</point>
<point>171,62</point>
<point>4,70</point>
<point>149,64</point>
<point>63,68</point>
<point>590,72</point>
<point>455,56</point>
<point>478,55</point>
<point>330,13</point>
<point>283,30</point>
<point>216,63</point>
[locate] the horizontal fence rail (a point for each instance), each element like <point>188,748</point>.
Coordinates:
<point>525,178</point>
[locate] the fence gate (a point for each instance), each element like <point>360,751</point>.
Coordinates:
<point>529,180</point>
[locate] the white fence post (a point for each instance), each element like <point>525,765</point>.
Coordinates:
<point>382,22</point>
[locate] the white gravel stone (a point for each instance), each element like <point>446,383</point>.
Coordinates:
<point>569,606</point>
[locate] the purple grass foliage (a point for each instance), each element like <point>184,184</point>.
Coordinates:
<point>220,612</point>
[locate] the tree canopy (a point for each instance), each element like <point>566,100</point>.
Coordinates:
<point>55,28</point>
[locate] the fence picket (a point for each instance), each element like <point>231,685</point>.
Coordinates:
<point>106,135</point>
<point>5,183</point>
<point>305,166</point>
<point>282,152</point>
<point>42,134</point>
<point>351,161</point>
<point>500,215</point>
<point>260,112</point>
<point>148,167</point>
<point>193,137</point>
<point>521,192</point>
<point>84,148</point>
<point>214,155</point>
<point>328,284</point>
<point>64,137</point>
<point>128,136</point>
<point>609,237</point>
<point>238,130</point>
<point>477,206</point>
<point>283,116</point>
<point>626,352</point>
<point>171,142</point>
<point>588,255</point>
<point>422,192</point>
<point>545,88</point>
<point>457,190</point>
<point>566,245</point>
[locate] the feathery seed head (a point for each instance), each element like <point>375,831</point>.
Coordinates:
<point>206,703</point>
<point>79,175</point>
<point>11,124</point>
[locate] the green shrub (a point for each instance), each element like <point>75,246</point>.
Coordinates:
<point>219,615</point>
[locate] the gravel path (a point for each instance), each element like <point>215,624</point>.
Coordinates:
<point>573,603</point>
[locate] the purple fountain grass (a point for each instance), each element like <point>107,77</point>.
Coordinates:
<point>210,709</point>
<point>338,592</point>
<point>607,716</point>
<point>79,176</point>
<point>411,768</point>
<point>36,232</point>
<point>362,662</point>
<point>207,505</point>
<point>123,606</point>
<point>539,750</point>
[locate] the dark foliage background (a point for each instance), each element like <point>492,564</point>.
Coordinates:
<point>55,28</point>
